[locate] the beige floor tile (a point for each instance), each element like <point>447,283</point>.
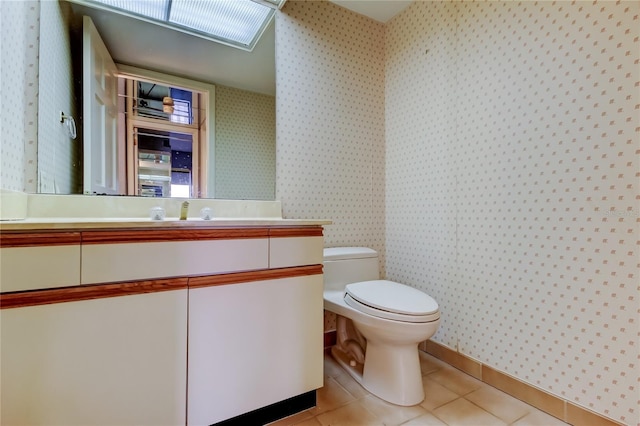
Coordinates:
<point>462,412</point>
<point>429,363</point>
<point>498,403</point>
<point>331,367</point>
<point>455,380</point>
<point>435,395</point>
<point>351,385</point>
<point>539,418</point>
<point>311,422</point>
<point>342,401</point>
<point>352,414</point>
<point>391,414</point>
<point>427,419</point>
<point>330,396</point>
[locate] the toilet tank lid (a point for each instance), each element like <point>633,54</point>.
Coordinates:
<point>341,253</point>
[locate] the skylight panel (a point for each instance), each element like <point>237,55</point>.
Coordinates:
<point>239,20</point>
<point>238,23</point>
<point>154,9</point>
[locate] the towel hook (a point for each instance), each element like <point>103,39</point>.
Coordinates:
<point>71,124</point>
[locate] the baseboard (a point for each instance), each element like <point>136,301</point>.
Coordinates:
<point>273,412</point>
<point>542,400</point>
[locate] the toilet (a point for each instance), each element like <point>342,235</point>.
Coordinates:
<point>379,324</point>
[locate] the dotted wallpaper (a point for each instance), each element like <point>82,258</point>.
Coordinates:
<point>509,157</point>
<point>245,157</point>
<point>19,31</point>
<point>512,187</point>
<point>330,122</point>
<point>56,150</point>
<point>421,114</point>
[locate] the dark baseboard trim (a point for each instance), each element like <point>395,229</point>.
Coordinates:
<point>273,412</point>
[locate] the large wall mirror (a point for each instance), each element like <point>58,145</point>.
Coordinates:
<point>241,158</point>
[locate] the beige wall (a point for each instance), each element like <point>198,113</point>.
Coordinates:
<point>330,120</point>
<point>38,81</point>
<point>511,162</point>
<point>19,32</point>
<point>245,157</point>
<point>59,165</point>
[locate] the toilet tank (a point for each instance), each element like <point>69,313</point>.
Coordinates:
<point>345,265</point>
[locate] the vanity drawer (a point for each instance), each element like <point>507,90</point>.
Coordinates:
<point>295,247</point>
<point>32,261</point>
<point>132,261</point>
<point>32,268</point>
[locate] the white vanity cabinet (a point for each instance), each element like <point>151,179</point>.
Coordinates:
<point>253,341</point>
<point>160,326</point>
<point>252,345</point>
<point>107,361</point>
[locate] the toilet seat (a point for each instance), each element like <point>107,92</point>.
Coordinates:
<point>391,300</point>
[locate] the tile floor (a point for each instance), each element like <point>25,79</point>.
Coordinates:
<point>453,398</point>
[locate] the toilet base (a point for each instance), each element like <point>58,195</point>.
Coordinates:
<point>390,373</point>
<point>346,362</point>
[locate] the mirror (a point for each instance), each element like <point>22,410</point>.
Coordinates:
<point>244,87</point>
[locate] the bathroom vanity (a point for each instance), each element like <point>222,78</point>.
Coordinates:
<point>175,322</point>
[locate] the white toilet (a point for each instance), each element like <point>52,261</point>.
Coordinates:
<point>379,325</point>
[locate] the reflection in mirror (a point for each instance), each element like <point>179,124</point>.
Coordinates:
<point>165,135</point>
<point>42,158</point>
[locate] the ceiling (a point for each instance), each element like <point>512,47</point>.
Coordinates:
<point>379,10</point>
<point>146,45</point>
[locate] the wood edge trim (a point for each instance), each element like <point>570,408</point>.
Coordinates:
<point>563,409</point>
<point>250,276</point>
<point>39,239</point>
<point>309,231</point>
<point>164,235</point>
<point>22,299</point>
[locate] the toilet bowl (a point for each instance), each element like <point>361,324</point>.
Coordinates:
<point>390,320</point>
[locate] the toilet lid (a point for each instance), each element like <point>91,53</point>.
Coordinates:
<point>391,300</point>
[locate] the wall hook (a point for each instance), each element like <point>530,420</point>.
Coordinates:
<point>71,124</point>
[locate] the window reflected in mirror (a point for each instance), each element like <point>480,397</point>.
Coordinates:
<point>162,138</point>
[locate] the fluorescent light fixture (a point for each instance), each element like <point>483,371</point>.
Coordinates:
<point>237,23</point>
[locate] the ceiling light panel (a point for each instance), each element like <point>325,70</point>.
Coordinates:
<point>238,23</point>
<point>237,20</point>
<point>154,9</point>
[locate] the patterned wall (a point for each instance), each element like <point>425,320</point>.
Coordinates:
<point>30,164</point>
<point>512,162</point>
<point>512,173</point>
<point>19,30</point>
<point>330,120</point>
<point>58,154</point>
<point>245,156</point>
<point>421,116</point>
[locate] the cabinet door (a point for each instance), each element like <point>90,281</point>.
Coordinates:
<point>252,345</point>
<point>113,361</point>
